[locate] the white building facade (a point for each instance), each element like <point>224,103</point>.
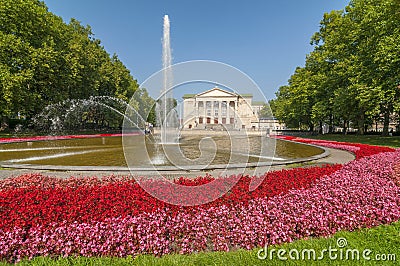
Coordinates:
<point>218,108</point>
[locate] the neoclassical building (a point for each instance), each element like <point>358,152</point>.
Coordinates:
<point>220,108</point>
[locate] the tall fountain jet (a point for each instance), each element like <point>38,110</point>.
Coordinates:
<point>166,53</point>
<point>167,115</point>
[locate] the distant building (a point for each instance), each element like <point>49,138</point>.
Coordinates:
<point>217,108</point>
<point>270,122</point>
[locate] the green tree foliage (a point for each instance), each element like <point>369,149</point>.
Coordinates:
<point>44,61</point>
<point>266,111</point>
<point>353,74</point>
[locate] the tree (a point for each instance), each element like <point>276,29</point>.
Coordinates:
<point>44,61</point>
<point>266,111</point>
<point>294,102</point>
<point>352,76</point>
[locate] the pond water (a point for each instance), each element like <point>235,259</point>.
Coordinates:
<point>142,151</point>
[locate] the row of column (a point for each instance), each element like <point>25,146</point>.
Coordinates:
<point>208,111</point>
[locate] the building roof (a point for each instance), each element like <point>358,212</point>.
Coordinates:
<point>188,96</point>
<point>216,89</point>
<point>258,103</point>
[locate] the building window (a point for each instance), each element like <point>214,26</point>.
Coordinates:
<point>232,108</point>
<point>200,120</point>
<point>224,120</point>
<point>201,104</point>
<point>223,108</point>
<point>216,108</point>
<point>208,120</point>
<point>208,108</point>
<point>215,120</point>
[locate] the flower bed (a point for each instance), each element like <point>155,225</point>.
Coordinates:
<point>360,150</point>
<point>33,200</point>
<point>113,216</point>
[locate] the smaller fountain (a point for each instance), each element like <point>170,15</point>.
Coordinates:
<point>60,117</point>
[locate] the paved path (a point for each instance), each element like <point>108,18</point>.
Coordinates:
<point>335,157</point>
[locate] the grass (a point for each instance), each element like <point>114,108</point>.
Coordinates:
<point>365,139</point>
<point>382,240</point>
<point>6,135</point>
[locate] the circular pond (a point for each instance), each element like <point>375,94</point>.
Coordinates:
<point>108,152</point>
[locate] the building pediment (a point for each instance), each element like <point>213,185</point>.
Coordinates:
<point>216,92</point>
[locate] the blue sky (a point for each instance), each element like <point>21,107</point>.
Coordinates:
<point>265,39</point>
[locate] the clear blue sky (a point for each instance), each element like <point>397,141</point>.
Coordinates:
<point>266,39</point>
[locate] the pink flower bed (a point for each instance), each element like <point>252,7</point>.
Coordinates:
<point>362,193</point>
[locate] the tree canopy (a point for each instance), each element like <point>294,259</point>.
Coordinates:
<point>43,61</point>
<point>352,76</point>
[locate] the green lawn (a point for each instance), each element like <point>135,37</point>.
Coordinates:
<point>366,139</point>
<point>382,241</point>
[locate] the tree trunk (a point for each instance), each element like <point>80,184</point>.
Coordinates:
<point>311,126</point>
<point>386,123</point>
<point>3,123</point>
<point>361,123</point>
<point>331,124</point>
<point>345,127</point>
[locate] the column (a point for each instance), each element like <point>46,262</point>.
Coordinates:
<point>205,111</point>
<point>237,117</point>
<point>196,111</point>
<point>228,114</point>
<point>212,112</point>
<point>220,112</point>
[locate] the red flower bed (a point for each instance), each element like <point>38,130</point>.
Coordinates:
<point>32,200</point>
